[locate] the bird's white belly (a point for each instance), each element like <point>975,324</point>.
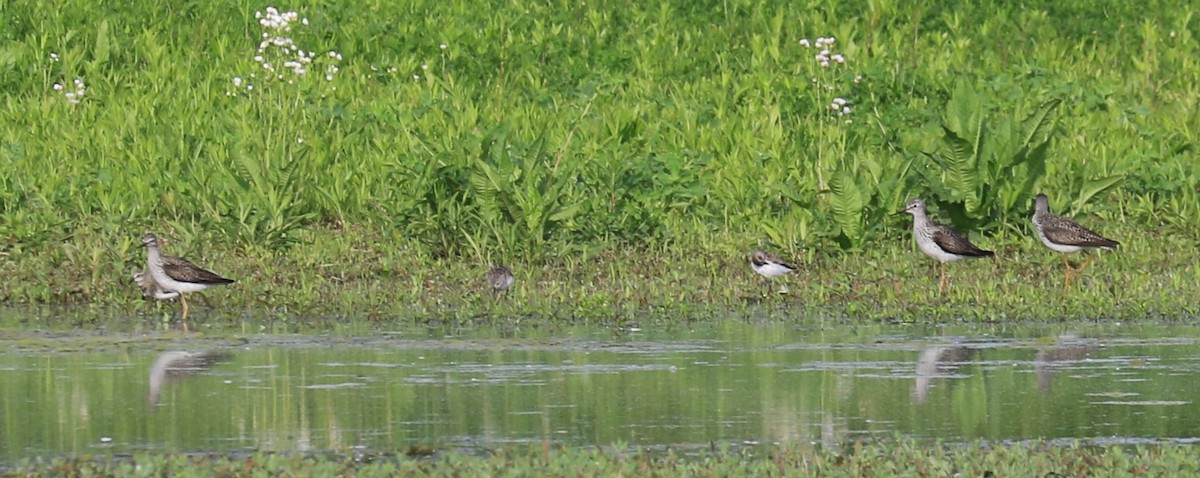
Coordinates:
<point>1063,248</point>
<point>167,284</point>
<point>771,270</point>
<point>931,249</point>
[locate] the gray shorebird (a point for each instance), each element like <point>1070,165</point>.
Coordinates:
<point>1066,236</point>
<point>770,266</point>
<point>939,241</point>
<point>172,275</point>
<point>500,278</point>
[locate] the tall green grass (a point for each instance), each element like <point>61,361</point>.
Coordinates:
<point>513,131</point>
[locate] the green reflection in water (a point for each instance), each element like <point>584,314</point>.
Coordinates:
<point>733,384</point>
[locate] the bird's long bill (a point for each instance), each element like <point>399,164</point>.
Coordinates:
<point>902,211</point>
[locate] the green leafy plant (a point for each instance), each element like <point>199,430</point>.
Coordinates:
<point>983,169</point>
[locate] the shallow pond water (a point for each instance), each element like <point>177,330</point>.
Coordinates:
<point>732,384</point>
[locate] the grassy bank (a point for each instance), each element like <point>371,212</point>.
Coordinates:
<point>340,276</point>
<point>906,459</point>
<point>368,160</point>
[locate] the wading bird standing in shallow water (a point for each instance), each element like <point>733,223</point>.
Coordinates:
<point>172,275</point>
<point>769,266</point>
<point>1066,236</point>
<point>939,241</point>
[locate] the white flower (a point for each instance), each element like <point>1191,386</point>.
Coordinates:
<point>58,87</point>
<point>857,78</point>
<point>424,67</point>
<point>825,64</point>
<point>237,81</point>
<point>442,46</point>
<point>846,110</point>
<point>54,56</point>
<point>839,101</point>
<point>804,42</point>
<point>416,77</point>
<point>838,58</point>
<point>328,77</point>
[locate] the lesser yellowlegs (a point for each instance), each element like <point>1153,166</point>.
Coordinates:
<point>1066,236</point>
<point>174,366</point>
<point>500,278</point>
<point>175,275</point>
<point>769,266</point>
<point>939,241</point>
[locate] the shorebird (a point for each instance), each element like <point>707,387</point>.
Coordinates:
<point>150,288</point>
<point>500,278</point>
<point>939,241</point>
<point>172,275</point>
<point>174,366</point>
<point>1066,236</point>
<point>769,266</point>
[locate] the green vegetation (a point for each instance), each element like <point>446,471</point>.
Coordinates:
<point>623,156</point>
<point>905,458</point>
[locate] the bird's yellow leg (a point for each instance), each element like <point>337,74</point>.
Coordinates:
<point>183,300</point>
<point>942,280</point>
<point>1066,274</point>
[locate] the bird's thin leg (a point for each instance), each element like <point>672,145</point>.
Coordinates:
<point>1066,274</point>
<point>942,281</point>
<point>183,300</point>
<point>1084,266</point>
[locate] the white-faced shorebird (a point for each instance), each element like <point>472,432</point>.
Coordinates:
<point>1066,236</point>
<point>769,266</point>
<point>500,278</point>
<point>939,241</point>
<point>172,275</point>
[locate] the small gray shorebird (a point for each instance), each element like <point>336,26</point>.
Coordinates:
<point>150,288</point>
<point>939,241</point>
<point>172,275</point>
<point>770,266</point>
<point>500,278</point>
<point>1066,236</point>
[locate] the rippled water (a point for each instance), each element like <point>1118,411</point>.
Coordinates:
<point>733,384</point>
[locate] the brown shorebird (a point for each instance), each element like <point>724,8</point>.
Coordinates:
<point>500,278</point>
<point>770,266</point>
<point>172,275</point>
<point>939,241</point>
<point>1066,236</point>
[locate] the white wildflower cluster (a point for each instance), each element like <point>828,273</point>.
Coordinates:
<point>279,56</point>
<point>841,106</point>
<point>826,57</point>
<point>74,96</point>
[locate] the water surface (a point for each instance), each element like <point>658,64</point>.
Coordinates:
<point>733,384</point>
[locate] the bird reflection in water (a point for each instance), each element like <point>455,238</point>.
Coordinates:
<point>176,366</point>
<point>1067,350</point>
<point>936,362</point>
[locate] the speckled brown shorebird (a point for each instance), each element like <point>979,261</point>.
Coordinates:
<point>1066,236</point>
<point>172,275</point>
<point>939,241</point>
<point>500,278</point>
